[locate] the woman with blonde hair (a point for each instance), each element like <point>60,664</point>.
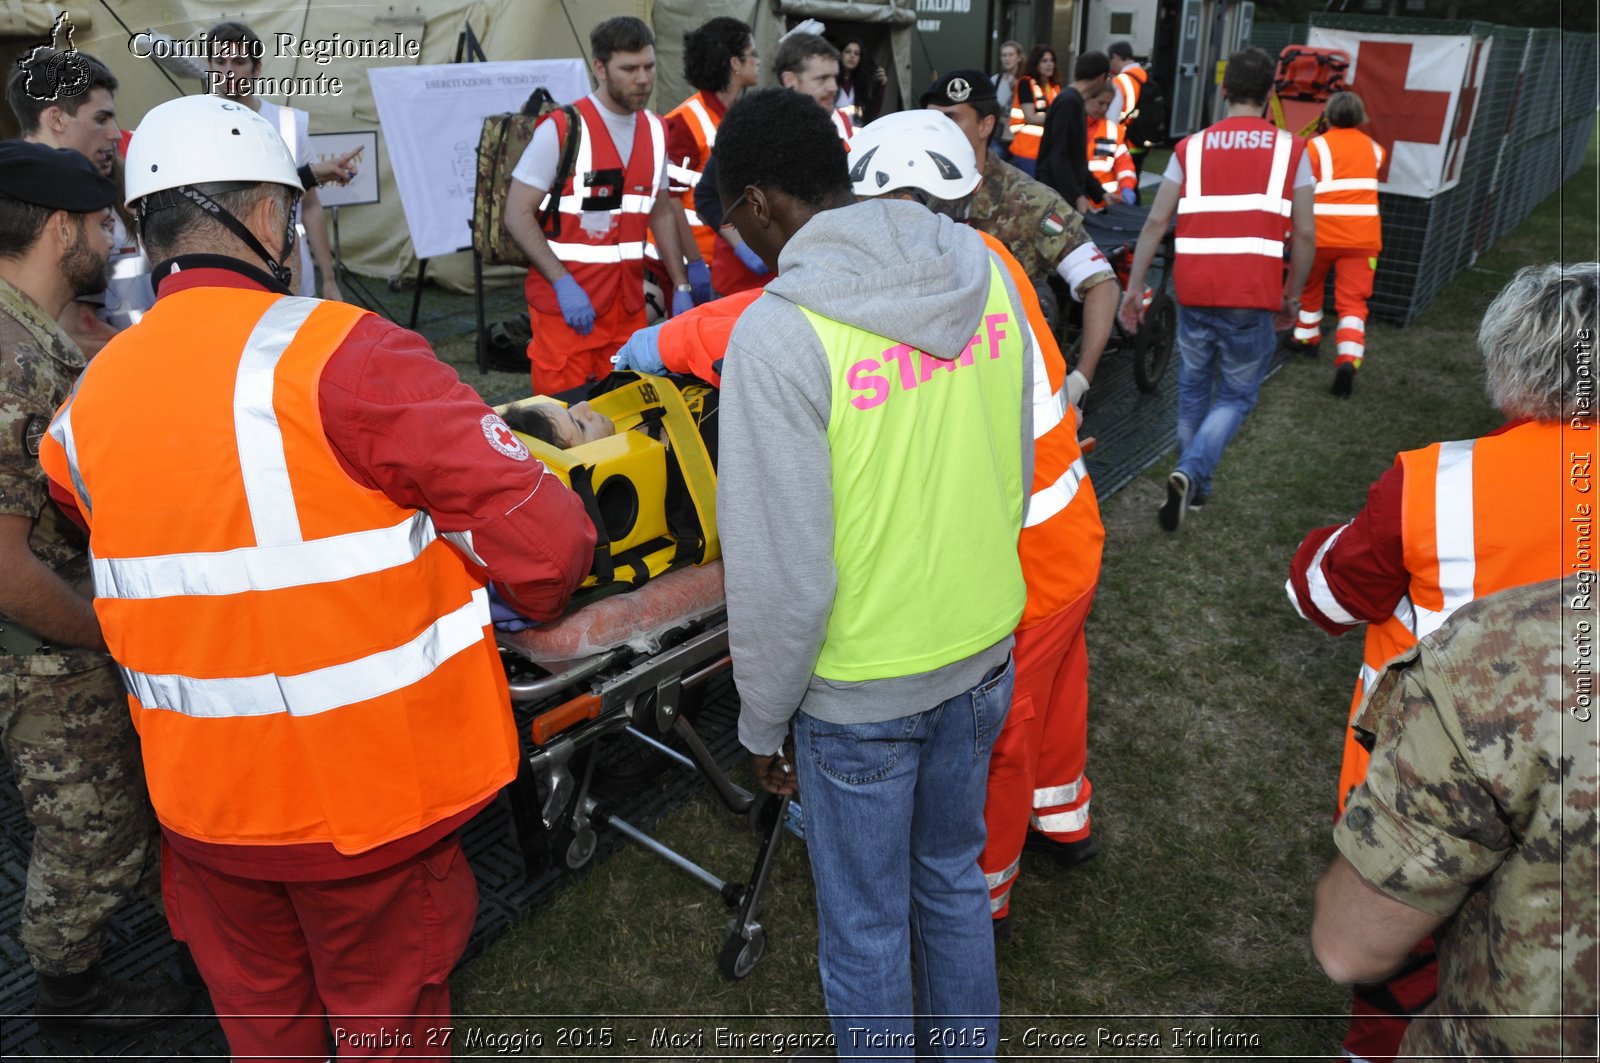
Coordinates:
<point>1005,88</point>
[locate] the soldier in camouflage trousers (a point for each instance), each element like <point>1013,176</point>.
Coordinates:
<point>1478,815</point>
<point>1037,226</point>
<point>64,716</point>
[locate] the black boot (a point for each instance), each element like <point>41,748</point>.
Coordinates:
<point>1344,379</point>
<point>92,1000</point>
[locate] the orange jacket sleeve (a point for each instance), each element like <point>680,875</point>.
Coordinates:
<point>694,342</point>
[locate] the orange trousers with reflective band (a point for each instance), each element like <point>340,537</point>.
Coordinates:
<point>1037,766</point>
<point>1353,271</point>
<point>562,359</point>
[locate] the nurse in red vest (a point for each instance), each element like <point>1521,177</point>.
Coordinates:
<point>1241,190</point>
<point>586,287</point>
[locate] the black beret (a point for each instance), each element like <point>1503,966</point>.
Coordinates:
<point>57,178</point>
<point>959,86</point>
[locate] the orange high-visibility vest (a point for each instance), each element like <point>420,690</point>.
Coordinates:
<point>306,660</point>
<point>1478,516</point>
<point>1110,163</point>
<point>1345,163</point>
<point>1131,82</point>
<point>1062,536</point>
<point>1025,138</point>
<point>702,121</point>
<point>608,264</point>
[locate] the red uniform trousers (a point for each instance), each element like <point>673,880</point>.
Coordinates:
<point>563,359</point>
<point>1353,271</point>
<point>1036,770</point>
<point>367,957</point>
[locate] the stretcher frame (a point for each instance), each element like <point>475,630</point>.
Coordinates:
<point>627,692</point>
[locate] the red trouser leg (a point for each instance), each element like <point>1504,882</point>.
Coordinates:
<point>562,359</point>
<point>1308,326</point>
<point>369,958</point>
<point>1042,744</point>
<point>1352,287</point>
<point>1380,1014</point>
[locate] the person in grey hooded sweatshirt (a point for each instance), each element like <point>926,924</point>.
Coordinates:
<point>876,455</point>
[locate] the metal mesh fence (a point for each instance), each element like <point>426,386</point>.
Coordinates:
<point>1535,116</point>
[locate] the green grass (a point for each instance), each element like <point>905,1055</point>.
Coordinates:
<point>1216,724</point>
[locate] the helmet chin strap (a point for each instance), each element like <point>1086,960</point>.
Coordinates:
<point>173,197</point>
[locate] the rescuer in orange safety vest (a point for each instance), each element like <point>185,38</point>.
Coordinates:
<point>291,555</point>
<point>1457,521</point>
<point>1345,163</point>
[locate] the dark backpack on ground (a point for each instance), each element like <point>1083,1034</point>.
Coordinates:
<point>1148,126</point>
<point>503,140</point>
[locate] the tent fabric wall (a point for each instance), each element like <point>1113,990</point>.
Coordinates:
<point>374,238</point>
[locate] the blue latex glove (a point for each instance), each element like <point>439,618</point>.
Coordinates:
<point>682,302</point>
<point>575,305</point>
<point>700,279</point>
<point>1130,196</point>
<point>751,260</point>
<point>642,351</point>
<point>503,616</point>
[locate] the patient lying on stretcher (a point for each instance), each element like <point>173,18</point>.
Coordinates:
<point>565,427</point>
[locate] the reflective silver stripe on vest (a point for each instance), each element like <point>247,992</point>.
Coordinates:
<point>997,903</point>
<point>598,253</point>
<point>702,118</point>
<point>1346,210</point>
<point>262,461</point>
<point>1228,245</point>
<point>682,175</point>
<point>1049,407</point>
<point>319,691</point>
<point>61,432</point>
<point>1000,878</point>
<point>1454,543</point>
<point>1369,678</point>
<point>1047,502</point>
<point>266,568</point>
<point>1050,796</point>
<point>1348,184</point>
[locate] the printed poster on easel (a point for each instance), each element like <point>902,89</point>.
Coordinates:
<point>432,117</point>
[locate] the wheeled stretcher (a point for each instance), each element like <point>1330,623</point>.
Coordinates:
<point>628,663</point>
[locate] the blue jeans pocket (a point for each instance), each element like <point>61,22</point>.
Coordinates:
<point>860,753</point>
<point>991,700</point>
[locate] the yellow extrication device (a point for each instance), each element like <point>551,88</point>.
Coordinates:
<point>650,489</point>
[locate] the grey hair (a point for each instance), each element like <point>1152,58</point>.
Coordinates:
<point>1345,110</point>
<point>1537,340</point>
<point>185,227</point>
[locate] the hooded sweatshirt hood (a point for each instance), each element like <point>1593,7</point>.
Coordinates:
<point>892,267</point>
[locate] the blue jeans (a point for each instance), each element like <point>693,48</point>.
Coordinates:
<point>894,826</point>
<point>1225,356</point>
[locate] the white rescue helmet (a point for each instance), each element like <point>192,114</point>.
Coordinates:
<point>917,150</point>
<point>195,140</point>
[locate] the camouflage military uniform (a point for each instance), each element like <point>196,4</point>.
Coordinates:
<point>1480,803</point>
<point>63,712</point>
<point>1031,219</point>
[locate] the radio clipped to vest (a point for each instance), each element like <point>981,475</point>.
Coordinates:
<point>650,489</point>
<point>500,146</point>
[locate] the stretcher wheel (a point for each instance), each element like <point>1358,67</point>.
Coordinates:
<point>581,848</point>
<point>1152,345</point>
<point>739,955</point>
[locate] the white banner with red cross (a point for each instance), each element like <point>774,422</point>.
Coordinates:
<point>1422,94</point>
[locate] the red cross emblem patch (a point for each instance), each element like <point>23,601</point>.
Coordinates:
<point>502,438</point>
